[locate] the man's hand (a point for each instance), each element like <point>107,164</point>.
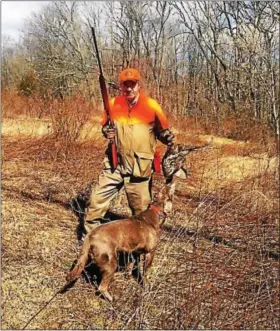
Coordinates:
<point>170,139</point>
<point>109,132</point>
<point>166,137</point>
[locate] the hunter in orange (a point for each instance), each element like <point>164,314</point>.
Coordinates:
<point>139,122</point>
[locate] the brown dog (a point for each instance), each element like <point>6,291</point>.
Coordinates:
<point>138,234</point>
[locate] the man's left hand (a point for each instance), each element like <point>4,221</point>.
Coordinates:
<point>166,137</point>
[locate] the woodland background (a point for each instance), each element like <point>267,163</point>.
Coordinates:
<point>210,61</point>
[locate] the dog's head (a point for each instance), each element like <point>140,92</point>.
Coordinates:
<point>165,197</point>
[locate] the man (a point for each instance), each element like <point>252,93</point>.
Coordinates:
<point>139,122</point>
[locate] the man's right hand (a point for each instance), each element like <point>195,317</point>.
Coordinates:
<point>109,132</point>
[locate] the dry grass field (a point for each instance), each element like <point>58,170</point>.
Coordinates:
<point>217,265</point>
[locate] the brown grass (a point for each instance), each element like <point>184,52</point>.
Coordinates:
<point>217,265</point>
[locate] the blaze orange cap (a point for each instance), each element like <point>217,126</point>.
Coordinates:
<point>129,74</point>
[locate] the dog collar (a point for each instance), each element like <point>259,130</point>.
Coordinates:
<point>161,214</point>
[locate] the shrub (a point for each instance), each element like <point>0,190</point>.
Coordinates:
<point>68,117</point>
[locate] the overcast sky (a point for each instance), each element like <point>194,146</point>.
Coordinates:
<point>13,14</point>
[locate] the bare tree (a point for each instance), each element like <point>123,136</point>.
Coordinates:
<point>61,57</point>
<point>238,42</point>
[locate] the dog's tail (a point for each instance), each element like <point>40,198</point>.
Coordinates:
<point>81,263</point>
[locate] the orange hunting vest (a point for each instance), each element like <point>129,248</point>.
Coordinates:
<point>137,127</point>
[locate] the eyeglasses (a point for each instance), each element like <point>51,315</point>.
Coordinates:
<point>130,84</point>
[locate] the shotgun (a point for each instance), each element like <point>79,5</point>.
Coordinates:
<point>113,156</point>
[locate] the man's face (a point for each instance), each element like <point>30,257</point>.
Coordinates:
<point>130,89</point>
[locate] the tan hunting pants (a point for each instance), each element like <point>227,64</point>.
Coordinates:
<point>109,184</point>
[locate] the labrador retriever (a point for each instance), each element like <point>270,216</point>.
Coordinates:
<point>137,234</point>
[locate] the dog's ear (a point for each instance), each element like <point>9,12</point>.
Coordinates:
<point>166,192</point>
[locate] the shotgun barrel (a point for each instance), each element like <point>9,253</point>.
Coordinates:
<point>113,155</point>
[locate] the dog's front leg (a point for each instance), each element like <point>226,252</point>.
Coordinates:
<point>132,264</point>
<point>148,260</point>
